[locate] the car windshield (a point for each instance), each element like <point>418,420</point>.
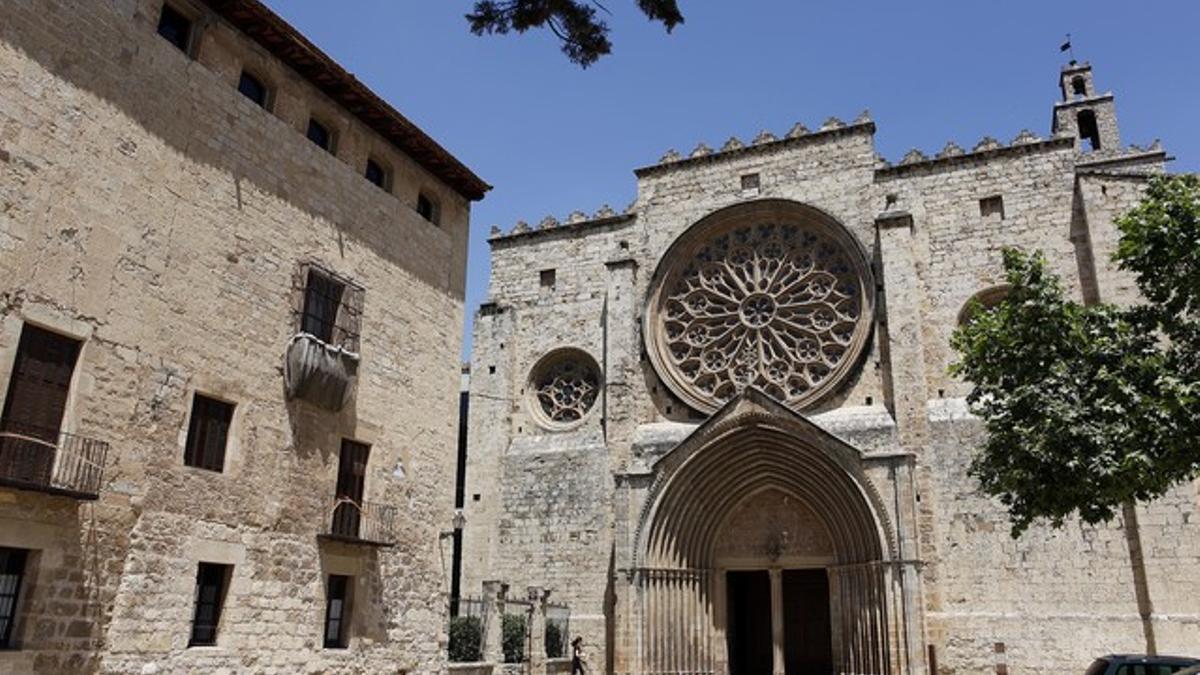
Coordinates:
<point>1097,668</point>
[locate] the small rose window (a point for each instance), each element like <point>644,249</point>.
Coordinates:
<point>564,387</point>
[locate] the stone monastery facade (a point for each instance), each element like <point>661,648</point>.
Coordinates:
<point>719,425</point>
<point>232,286</point>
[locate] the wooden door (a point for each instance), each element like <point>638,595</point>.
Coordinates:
<point>808,643</point>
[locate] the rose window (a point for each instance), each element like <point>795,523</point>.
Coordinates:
<point>564,385</point>
<point>780,302</point>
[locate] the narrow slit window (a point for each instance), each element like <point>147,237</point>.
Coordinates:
<point>376,174</point>
<point>175,28</point>
<point>212,581</point>
<point>427,208</point>
<point>320,135</point>
<point>253,88</point>
<point>208,432</point>
<point>12,573</point>
<point>992,207</point>
<point>337,611</point>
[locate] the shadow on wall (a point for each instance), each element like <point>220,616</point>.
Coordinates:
<point>192,110</point>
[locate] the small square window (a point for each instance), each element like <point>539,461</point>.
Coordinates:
<point>320,135</point>
<point>992,207</point>
<point>750,181</point>
<point>337,610</point>
<point>427,208</point>
<point>376,174</point>
<point>175,27</point>
<point>253,89</point>
<point>208,431</point>
<point>212,580</point>
<point>548,279</point>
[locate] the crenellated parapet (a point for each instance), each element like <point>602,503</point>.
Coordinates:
<point>735,146</point>
<point>575,220</point>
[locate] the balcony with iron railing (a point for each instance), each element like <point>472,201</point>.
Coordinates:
<point>47,460</point>
<point>360,523</point>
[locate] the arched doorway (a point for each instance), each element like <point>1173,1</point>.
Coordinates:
<point>763,550</point>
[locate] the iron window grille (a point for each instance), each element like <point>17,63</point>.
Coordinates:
<point>211,582</point>
<point>328,307</point>
<point>208,433</point>
<point>12,573</point>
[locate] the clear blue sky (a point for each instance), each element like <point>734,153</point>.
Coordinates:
<point>553,138</point>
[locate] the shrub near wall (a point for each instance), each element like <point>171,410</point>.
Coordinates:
<point>514,632</point>
<point>466,639</point>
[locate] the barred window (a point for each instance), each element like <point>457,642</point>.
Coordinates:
<point>212,581</point>
<point>12,573</point>
<point>329,307</point>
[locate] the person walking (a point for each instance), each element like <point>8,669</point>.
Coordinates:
<point>578,658</point>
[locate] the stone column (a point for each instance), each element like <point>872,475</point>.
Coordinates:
<point>495,594</point>
<point>538,597</point>
<point>777,654</point>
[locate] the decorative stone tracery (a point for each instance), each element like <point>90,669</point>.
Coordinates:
<point>773,294</point>
<point>564,386</point>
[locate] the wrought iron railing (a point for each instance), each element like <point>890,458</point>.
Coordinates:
<point>37,458</point>
<point>361,522</point>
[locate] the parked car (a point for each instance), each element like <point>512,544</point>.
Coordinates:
<point>1141,664</point>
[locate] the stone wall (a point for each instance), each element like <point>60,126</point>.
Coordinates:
<point>153,212</point>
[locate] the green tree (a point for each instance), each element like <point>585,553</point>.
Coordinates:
<point>513,629</point>
<point>1091,408</point>
<point>584,36</point>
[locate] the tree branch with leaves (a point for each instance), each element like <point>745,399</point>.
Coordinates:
<point>584,36</point>
<point>1089,407</point>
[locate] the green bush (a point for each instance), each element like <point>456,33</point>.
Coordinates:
<point>513,629</point>
<point>466,639</point>
<point>554,640</point>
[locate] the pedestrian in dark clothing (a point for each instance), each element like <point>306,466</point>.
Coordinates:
<point>578,658</point>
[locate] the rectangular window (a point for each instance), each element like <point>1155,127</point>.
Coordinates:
<point>12,573</point>
<point>34,407</point>
<point>252,88</point>
<point>548,278</point>
<point>318,133</point>
<point>175,27</point>
<point>427,208</point>
<point>322,298</point>
<point>376,174</point>
<point>337,610</point>
<point>208,433</point>
<point>211,582</point>
<point>992,207</point>
<point>750,181</point>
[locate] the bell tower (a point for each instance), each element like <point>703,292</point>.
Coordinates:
<point>1089,117</point>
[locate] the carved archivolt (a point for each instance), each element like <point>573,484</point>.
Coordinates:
<point>773,294</point>
<point>564,386</point>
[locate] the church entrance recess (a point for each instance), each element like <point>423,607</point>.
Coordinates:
<point>763,549</point>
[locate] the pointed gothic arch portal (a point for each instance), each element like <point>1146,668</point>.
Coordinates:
<point>763,549</point>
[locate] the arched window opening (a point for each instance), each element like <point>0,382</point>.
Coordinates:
<point>1078,86</point>
<point>1088,130</point>
<point>981,302</point>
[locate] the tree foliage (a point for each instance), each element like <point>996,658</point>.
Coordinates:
<point>584,36</point>
<point>1089,407</point>
<point>513,630</point>
<point>466,639</point>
